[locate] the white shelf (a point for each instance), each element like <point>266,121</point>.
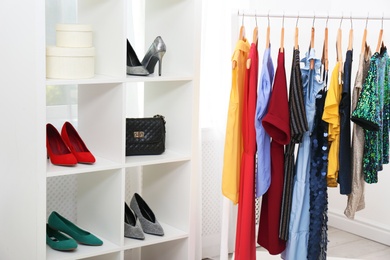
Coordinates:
<point>103,79</point>
<point>167,157</point>
<point>95,195</point>
<point>98,79</point>
<point>163,78</point>
<point>82,251</point>
<point>170,234</point>
<point>101,164</point>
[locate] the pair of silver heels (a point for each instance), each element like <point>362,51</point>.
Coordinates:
<point>141,221</point>
<point>155,53</point>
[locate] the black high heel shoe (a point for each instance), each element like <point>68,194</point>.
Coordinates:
<point>134,67</point>
<point>155,53</point>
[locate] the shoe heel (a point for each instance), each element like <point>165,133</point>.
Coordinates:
<point>57,150</point>
<point>160,56</point>
<point>155,53</point>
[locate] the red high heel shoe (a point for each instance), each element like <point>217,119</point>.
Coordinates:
<point>76,144</point>
<point>57,150</point>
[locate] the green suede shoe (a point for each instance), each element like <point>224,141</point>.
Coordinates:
<point>60,223</point>
<point>59,241</point>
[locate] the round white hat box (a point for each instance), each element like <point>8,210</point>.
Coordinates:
<point>70,63</point>
<point>74,35</point>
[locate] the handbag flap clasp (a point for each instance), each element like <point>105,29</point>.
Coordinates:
<point>138,134</point>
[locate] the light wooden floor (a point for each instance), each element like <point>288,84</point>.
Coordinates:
<point>342,245</point>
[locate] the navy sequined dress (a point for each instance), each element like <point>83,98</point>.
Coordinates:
<point>317,242</point>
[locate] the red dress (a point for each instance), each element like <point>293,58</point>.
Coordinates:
<point>277,124</point>
<point>246,230</point>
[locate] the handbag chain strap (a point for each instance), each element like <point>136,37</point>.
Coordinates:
<point>159,116</point>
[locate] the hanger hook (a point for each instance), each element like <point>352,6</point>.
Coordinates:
<point>341,21</point>
<point>351,21</point>
<point>243,15</point>
<point>327,20</point>
<point>268,17</point>
<point>314,18</point>
<point>382,20</point>
<point>256,18</point>
<point>296,24</point>
<point>367,19</point>
<point>283,20</point>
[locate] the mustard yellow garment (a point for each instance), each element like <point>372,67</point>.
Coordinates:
<point>332,117</point>
<point>233,140</point>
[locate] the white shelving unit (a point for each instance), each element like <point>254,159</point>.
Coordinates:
<point>168,182</point>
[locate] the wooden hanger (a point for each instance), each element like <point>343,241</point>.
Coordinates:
<point>296,45</point>
<point>282,37</point>
<point>312,42</point>
<point>339,52</point>
<point>325,60</point>
<point>240,37</point>
<point>366,52</point>
<point>378,46</point>
<point>338,42</point>
<point>364,40</point>
<point>267,41</point>
<point>242,33</point>
<point>350,40</point>
<point>255,37</point>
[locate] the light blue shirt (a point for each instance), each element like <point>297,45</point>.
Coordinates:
<point>263,140</point>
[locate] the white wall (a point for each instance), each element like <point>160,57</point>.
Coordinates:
<point>219,33</point>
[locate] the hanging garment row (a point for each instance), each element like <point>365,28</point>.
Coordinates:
<point>266,122</point>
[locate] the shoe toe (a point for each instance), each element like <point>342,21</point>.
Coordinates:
<point>65,160</point>
<point>90,240</point>
<point>85,157</point>
<point>134,231</point>
<point>137,70</point>
<point>153,228</point>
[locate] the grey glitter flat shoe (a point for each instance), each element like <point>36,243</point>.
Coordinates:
<point>132,226</point>
<point>146,216</point>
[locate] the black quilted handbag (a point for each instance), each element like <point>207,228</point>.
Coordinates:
<point>145,136</point>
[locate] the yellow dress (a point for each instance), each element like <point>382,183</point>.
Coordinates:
<point>332,117</point>
<point>233,139</point>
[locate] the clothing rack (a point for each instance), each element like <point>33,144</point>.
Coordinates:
<point>313,16</point>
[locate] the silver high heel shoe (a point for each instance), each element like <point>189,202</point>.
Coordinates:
<point>146,216</point>
<point>155,53</point>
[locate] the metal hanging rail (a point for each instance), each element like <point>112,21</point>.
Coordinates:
<point>313,16</point>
